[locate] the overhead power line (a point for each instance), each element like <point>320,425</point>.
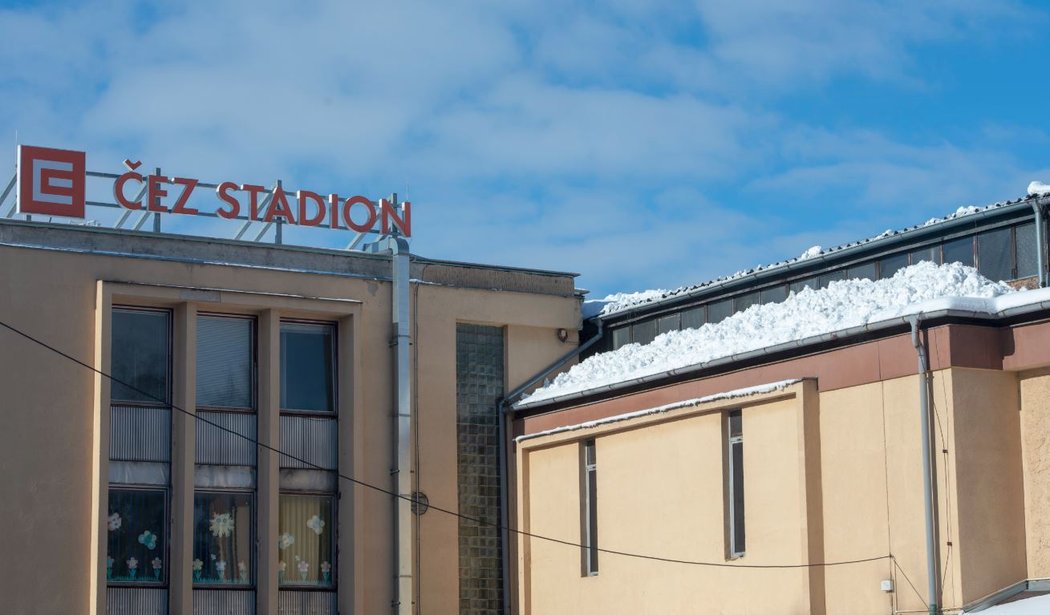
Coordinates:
<point>431,506</point>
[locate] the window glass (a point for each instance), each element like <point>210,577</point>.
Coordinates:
<point>775,294</point>
<point>136,546</point>
<point>306,541</point>
<point>959,251</point>
<point>621,336</point>
<point>225,360</point>
<point>864,271</point>
<point>668,323</point>
<point>994,255</point>
<point>693,318</point>
<point>735,477</point>
<point>1027,264</point>
<point>139,356</point>
<point>590,509</point>
<point>743,302</point>
<point>892,264</point>
<point>830,277</point>
<point>307,367</point>
<point>719,310</point>
<point>797,286</point>
<point>222,538</point>
<point>645,331</point>
<point>932,254</point>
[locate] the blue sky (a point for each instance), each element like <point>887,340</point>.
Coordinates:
<point>640,143</point>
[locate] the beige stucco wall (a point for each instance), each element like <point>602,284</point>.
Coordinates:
<point>1035,429</point>
<point>660,492</point>
<point>50,424</point>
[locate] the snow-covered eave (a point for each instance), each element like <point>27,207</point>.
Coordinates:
<point>837,253</point>
<point>762,389</point>
<point>1038,301</point>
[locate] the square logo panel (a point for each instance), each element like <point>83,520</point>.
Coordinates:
<point>51,181</point>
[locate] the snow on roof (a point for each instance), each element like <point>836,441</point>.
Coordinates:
<point>1039,605</point>
<point>843,304</point>
<point>734,394</point>
<point>624,301</point>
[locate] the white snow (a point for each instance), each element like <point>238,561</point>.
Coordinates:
<point>620,301</point>
<point>1038,189</point>
<point>923,287</point>
<point>745,392</point>
<point>1039,605</point>
<point>811,253</point>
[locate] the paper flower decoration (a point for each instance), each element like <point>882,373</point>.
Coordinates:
<point>197,565</point>
<point>285,540</point>
<point>133,563</point>
<point>315,524</point>
<point>304,567</point>
<point>326,567</point>
<point>282,566</point>
<point>114,522</point>
<point>220,566</point>
<point>148,539</point>
<point>221,525</point>
<point>156,563</point>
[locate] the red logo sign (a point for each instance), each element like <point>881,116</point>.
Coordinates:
<point>51,181</point>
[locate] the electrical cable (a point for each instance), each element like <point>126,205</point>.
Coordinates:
<point>361,483</point>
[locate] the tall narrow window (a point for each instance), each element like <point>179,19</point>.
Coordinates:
<point>306,541</point>
<point>590,509</point>
<point>735,483</point>
<point>307,367</point>
<point>141,356</point>
<point>225,362</point>
<point>223,537</point>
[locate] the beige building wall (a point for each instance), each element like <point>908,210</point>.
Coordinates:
<point>54,442</point>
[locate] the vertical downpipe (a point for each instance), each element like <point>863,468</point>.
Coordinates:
<point>932,574</point>
<point>1040,240</point>
<point>403,544</point>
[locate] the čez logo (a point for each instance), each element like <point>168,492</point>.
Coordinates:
<point>51,182</point>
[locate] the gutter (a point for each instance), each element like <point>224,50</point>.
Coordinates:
<point>898,322</point>
<point>503,414</point>
<point>928,484</point>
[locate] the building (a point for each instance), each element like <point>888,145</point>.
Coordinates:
<point>790,478</point>
<point>147,494</point>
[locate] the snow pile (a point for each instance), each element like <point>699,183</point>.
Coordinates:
<point>1038,189</point>
<point>620,301</point>
<point>1039,605</point>
<point>734,394</point>
<point>843,304</point>
<point>811,253</point>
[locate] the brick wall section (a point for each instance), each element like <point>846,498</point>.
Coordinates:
<point>479,383</point>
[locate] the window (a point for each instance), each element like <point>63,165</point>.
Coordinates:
<point>589,512</point>
<point>959,251</point>
<point>694,318</point>
<point>1027,251</point>
<point>225,362</point>
<point>223,535</point>
<point>774,294</point>
<point>800,285</point>
<point>932,254</point>
<point>140,356</point>
<point>306,541</point>
<point>719,310</point>
<point>825,279</point>
<point>644,332</point>
<point>621,336</point>
<point>307,367</point>
<point>995,254</point>
<point>743,302</point>
<point>890,265</point>
<point>671,322</point>
<point>136,545</point>
<point>864,271</point>
<point>735,484</point>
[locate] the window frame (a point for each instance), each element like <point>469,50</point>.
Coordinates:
<point>589,549</point>
<point>732,472</point>
<point>169,364</point>
<point>254,380</point>
<point>252,543</point>
<point>334,368</point>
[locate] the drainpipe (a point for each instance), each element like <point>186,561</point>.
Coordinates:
<point>404,548</point>
<point>1040,240</point>
<point>927,472</point>
<point>504,417</point>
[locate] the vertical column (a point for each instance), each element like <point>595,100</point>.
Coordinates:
<point>349,395</point>
<point>811,492</point>
<point>267,459</point>
<point>100,452</point>
<point>184,396</point>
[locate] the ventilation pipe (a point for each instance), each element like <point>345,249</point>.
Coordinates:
<point>933,590</point>
<point>404,547</point>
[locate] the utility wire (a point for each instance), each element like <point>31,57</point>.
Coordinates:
<point>410,499</point>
